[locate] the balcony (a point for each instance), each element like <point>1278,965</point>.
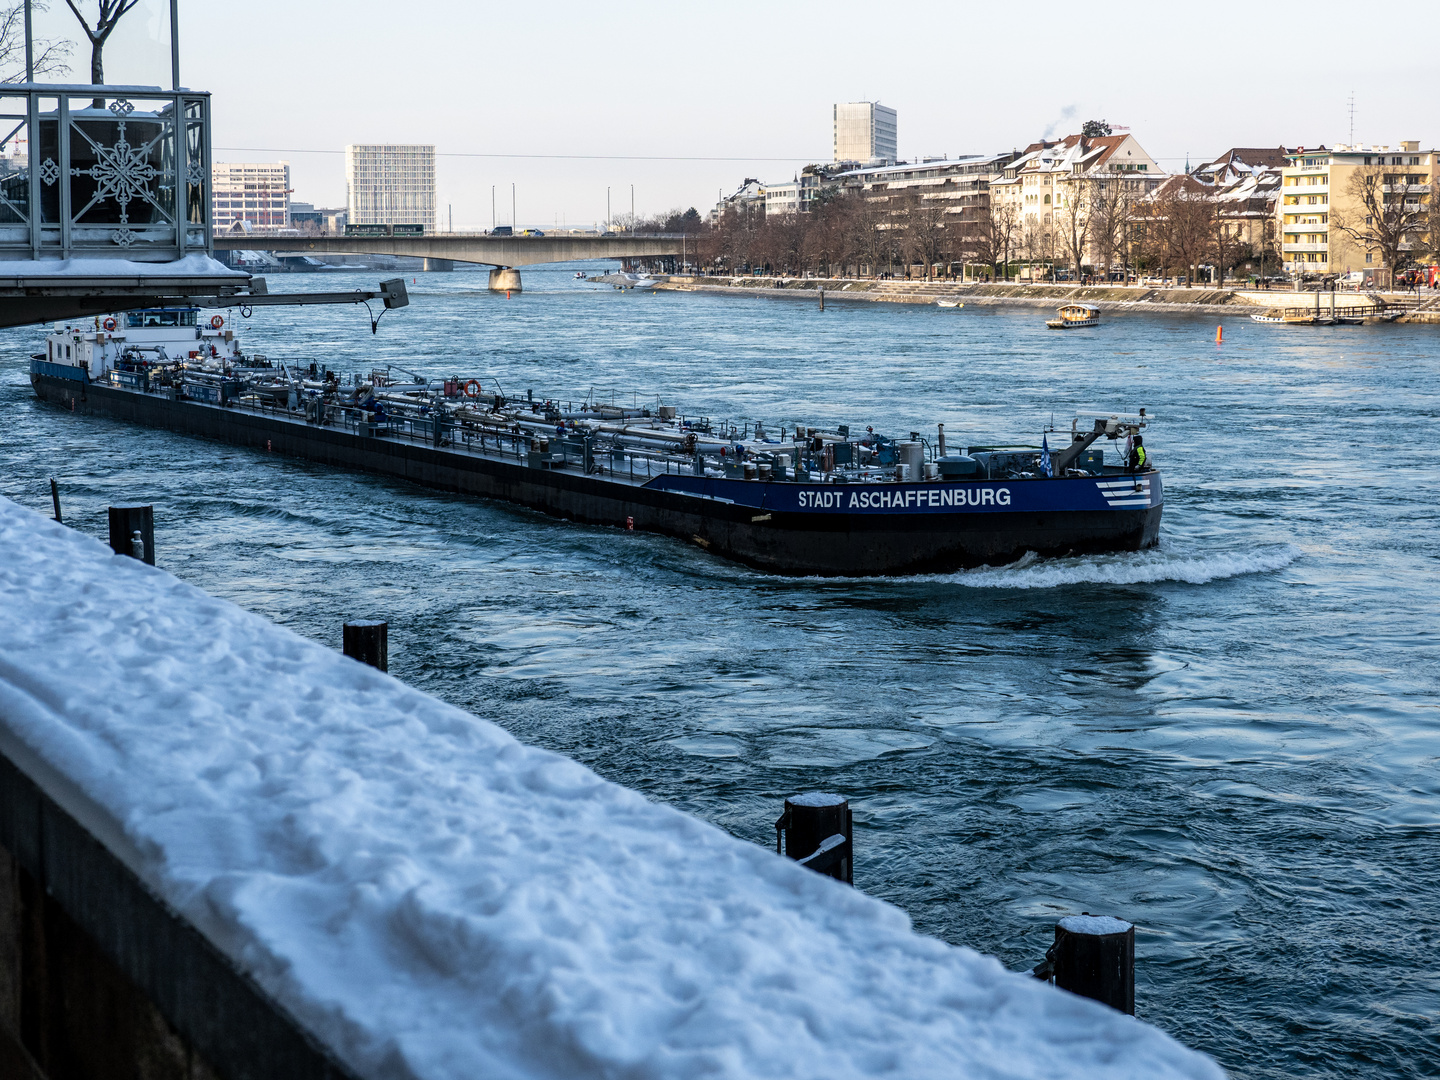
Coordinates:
<point>1304,247</point>
<point>119,172</point>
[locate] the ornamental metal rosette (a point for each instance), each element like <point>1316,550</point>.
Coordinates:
<point>123,172</point>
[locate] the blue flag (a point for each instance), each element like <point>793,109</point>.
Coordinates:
<point>1045,456</point>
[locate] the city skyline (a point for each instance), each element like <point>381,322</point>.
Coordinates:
<point>565,117</point>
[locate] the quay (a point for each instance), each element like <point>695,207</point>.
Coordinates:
<point>209,861</point>
<point>1112,298</point>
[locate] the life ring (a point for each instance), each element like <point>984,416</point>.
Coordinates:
<point>472,389</point>
<point>217,321</point>
<point>109,324</point>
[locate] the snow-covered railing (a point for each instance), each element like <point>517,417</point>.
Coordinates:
<point>115,171</point>
<point>429,898</point>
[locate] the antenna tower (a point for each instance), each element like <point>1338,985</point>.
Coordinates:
<point>1352,117</point>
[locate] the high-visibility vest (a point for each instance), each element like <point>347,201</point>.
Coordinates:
<point>1139,457</point>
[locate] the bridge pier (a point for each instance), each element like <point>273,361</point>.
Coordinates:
<point>504,279</point>
<point>439,264</point>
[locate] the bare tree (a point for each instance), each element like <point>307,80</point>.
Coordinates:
<point>1227,244</point>
<point>1109,219</point>
<point>1389,214</point>
<point>1072,219</point>
<point>996,233</point>
<point>110,13</point>
<point>923,226</point>
<point>1189,215</point>
<point>49,55</point>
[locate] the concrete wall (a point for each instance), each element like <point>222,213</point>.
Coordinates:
<point>100,980</point>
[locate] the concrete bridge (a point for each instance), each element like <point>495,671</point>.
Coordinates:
<point>441,250</point>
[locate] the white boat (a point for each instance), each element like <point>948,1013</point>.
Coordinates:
<point>949,303</point>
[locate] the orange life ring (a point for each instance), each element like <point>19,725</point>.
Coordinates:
<point>472,389</point>
<point>217,321</point>
<point>109,324</point>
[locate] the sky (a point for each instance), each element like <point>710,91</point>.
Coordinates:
<point>565,100</point>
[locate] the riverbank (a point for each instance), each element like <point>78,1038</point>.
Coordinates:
<point>1111,298</point>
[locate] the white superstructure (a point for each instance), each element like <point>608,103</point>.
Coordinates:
<point>152,335</point>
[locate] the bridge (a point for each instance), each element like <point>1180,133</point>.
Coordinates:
<point>440,250</point>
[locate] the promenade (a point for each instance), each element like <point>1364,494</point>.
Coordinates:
<point>1115,298</point>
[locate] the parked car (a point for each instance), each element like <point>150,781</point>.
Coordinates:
<point>531,232</point>
<point>502,230</point>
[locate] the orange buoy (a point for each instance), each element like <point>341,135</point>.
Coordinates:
<point>507,294</point>
<point>1220,334</point>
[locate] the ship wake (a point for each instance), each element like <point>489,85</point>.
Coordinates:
<point>1161,564</point>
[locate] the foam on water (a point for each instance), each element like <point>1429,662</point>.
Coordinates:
<point>1131,568</point>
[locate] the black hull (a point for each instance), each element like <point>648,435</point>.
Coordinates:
<point>828,544</point>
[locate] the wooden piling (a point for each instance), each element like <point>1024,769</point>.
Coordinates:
<point>125,523</point>
<point>1094,956</point>
<point>368,641</point>
<point>55,497</point>
<point>822,299</point>
<point>817,831</point>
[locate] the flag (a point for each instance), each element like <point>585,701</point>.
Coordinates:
<point>1045,455</point>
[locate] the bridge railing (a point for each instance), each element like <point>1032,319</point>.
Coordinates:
<point>104,171</point>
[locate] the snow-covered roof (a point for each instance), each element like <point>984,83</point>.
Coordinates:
<point>435,900</point>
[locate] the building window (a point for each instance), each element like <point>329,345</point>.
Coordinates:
<point>1368,256</point>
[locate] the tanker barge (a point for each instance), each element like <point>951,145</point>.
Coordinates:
<point>804,501</point>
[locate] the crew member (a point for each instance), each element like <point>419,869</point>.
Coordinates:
<point>1138,457</point>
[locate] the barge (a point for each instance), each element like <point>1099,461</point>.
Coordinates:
<point>802,501</point>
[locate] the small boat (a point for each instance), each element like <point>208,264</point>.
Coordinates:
<point>580,275</point>
<point>949,303</point>
<point>1075,315</point>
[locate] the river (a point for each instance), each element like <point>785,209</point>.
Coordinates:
<point>1231,741</point>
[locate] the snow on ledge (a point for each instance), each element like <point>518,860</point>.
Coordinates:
<point>438,901</point>
<point>194,265</point>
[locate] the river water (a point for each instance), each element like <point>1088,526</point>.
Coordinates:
<point>1231,741</point>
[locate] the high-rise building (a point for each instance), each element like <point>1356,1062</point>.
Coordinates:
<point>390,184</point>
<point>255,192</point>
<point>865,133</point>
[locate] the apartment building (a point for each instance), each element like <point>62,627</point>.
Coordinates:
<point>390,184</point>
<point>1049,181</point>
<point>257,193</point>
<point>865,133</point>
<point>1318,194</point>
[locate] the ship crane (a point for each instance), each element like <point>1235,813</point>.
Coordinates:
<point>1110,425</point>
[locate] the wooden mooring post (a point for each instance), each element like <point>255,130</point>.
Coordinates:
<point>1093,956</point>
<point>817,831</point>
<point>55,497</point>
<point>368,641</point>
<point>132,532</point>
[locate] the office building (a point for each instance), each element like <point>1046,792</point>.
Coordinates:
<point>865,133</point>
<point>389,184</point>
<point>257,193</point>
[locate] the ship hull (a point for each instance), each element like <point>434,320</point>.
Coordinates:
<point>798,529</point>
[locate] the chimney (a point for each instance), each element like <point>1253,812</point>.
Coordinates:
<point>1410,145</point>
